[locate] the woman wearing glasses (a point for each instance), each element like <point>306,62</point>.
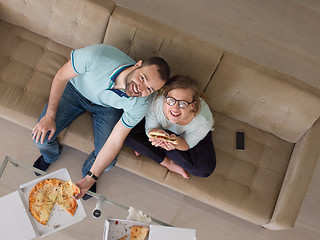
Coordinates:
<point>181,113</point>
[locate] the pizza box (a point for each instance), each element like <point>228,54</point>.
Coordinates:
<point>115,229</point>
<point>17,204</point>
<point>14,216</point>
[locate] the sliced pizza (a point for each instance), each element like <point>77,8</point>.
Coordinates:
<point>138,232</point>
<point>123,238</point>
<point>48,192</point>
<point>69,204</point>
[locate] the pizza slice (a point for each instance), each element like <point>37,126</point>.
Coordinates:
<point>42,212</point>
<point>123,238</point>
<point>69,204</point>
<point>67,190</point>
<point>70,188</point>
<point>51,188</point>
<point>65,198</point>
<point>138,232</point>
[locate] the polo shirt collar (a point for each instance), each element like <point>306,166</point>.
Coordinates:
<point>117,72</point>
<point>113,78</point>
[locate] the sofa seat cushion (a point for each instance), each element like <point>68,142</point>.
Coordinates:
<point>141,38</point>
<point>264,98</point>
<point>79,134</point>
<point>28,63</point>
<point>142,165</point>
<point>73,23</point>
<point>245,183</point>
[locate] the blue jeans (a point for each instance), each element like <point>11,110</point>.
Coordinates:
<point>72,104</point>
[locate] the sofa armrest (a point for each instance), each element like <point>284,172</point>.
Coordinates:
<point>297,179</point>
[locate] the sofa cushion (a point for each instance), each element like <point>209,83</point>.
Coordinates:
<point>142,165</point>
<point>141,38</point>
<point>73,23</point>
<point>244,183</point>
<point>264,98</point>
<point>79,134</point>
<point>28,63</point>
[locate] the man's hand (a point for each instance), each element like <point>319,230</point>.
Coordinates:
<point>84,184</point>
<point>41,129</point>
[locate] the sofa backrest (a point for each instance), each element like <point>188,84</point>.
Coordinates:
<point>73,23</point>
<point>264,98</point>
<point>141,38</point>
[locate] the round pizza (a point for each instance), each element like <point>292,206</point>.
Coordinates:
<point>49,192</point>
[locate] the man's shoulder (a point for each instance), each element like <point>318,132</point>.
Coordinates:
<point>114,53</point>
<point>102,47</point>
<point>141,102</point>
<point>105,51</point>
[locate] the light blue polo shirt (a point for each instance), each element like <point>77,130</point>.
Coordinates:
<point>98,67</point>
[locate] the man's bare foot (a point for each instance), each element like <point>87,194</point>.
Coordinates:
<point>172,166</point>
<point>137,153</point>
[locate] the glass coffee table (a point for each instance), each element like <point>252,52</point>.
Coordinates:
<point>14,173</point>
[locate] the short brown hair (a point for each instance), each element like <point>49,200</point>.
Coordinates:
<point>184,82</point>
<point>163,67</point>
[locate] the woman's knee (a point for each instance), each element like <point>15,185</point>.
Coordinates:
<point>205,169</point>
<point>202,173</point>
<point>207,172</point>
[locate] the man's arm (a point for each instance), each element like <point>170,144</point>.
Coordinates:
<point>106,155</point>
<point>47,123</point>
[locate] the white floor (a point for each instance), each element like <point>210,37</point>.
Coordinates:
<point>158,201</point>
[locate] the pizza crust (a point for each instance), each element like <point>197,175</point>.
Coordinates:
<point>138,232</point>
<point>123,238</point>
<point>49,192</point>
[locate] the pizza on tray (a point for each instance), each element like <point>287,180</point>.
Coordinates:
<point>138,232</point>
<point>49,192</point>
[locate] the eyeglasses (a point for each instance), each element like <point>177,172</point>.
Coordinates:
<point>181,103</point>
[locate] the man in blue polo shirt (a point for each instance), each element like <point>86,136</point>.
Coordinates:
<point>111,86</point>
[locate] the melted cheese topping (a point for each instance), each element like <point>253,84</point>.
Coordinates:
<point>49,192</point>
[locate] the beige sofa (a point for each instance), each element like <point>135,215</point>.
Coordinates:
<point>265,184</point>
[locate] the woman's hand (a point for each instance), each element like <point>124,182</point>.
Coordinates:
<point>155,141</point>
<point>84,184</point>
<point>160,143</point>
<point>168,146</point>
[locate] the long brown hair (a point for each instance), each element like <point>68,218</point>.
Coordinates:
<point>184,82</point>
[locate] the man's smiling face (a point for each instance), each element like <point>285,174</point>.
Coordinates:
<point>142,81</point>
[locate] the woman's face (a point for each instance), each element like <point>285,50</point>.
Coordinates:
<point>175,113</point>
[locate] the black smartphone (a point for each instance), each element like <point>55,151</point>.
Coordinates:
<point>239,140</point>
